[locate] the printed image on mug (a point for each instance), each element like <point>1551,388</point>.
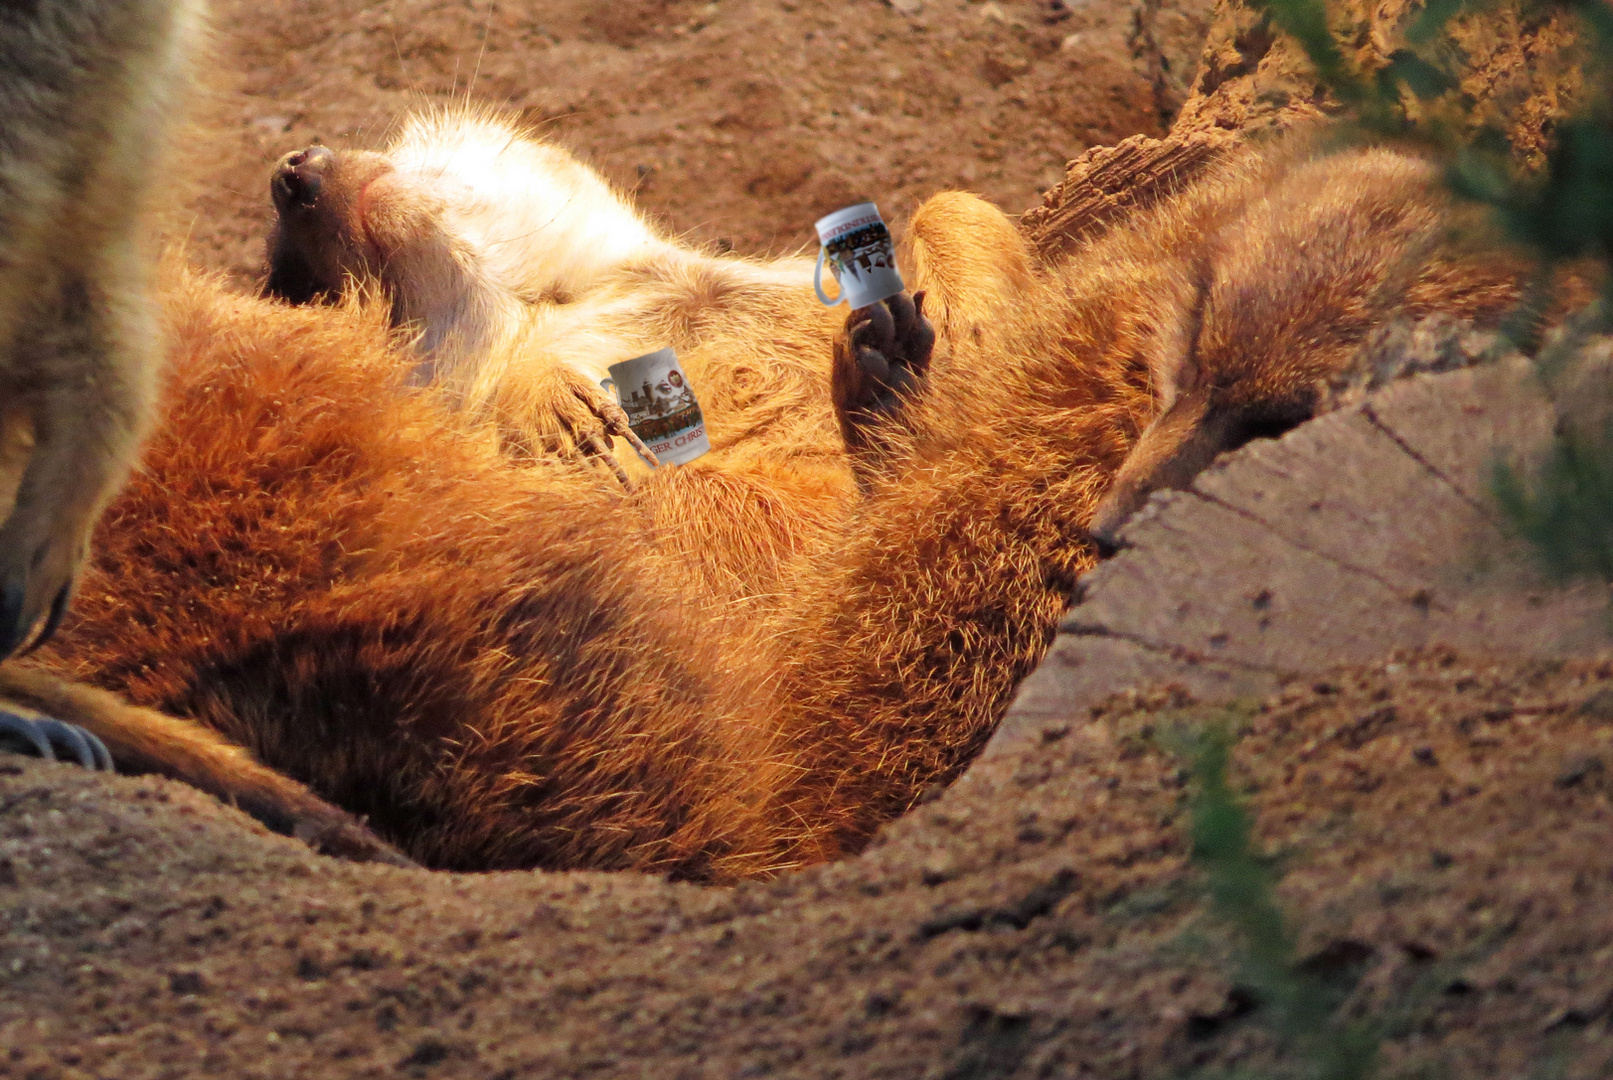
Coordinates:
<point>859,250</point>
<point>660,406</point>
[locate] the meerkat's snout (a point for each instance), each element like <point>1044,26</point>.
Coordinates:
<point>317,240</point>
<point>299,177</point>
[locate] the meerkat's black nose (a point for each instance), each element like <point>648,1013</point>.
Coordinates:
<point>300,176</point>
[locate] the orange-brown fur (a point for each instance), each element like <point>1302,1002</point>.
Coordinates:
<point>378,605</point>
<point>503,666</point>
<point>1286,294</point>
<point>146,741</point>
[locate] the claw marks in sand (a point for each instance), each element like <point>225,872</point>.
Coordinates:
<point>86,91</point>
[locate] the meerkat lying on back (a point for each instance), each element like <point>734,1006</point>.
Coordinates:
<point>536,690</point>
<point>523,276</point>
<point>520,270</point>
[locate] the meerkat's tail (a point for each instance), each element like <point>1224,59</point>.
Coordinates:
<point>144,741</point>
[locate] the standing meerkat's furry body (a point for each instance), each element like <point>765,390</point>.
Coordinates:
<point>86,92</point>
<point>494,663</point>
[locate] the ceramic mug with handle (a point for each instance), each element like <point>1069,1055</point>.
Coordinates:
<point>858,248</point>
<point>660,406</point>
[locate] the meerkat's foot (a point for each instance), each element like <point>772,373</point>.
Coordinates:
<point>53,740</point>
<point>145,742</point>
<point>50,495</point>
<point>325,828</point>
<point>581,420</point>
<point>880,363</point>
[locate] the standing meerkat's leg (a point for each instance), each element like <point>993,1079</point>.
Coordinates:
<point>86,87</point>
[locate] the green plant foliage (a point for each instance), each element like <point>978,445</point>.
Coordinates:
<point>1565,210</point>
<point>1299,1004</point>
<point>1566,513</point>
<point>1561,212</point>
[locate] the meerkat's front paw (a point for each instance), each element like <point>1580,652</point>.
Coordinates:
<point>577,419</point>
<point>880,363</point>
<point>53,740</point>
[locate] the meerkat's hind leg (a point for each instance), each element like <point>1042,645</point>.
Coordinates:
<point>45,737</point>
<point>1171,451</point>
<point>1179,445</point>
<point>880,364</point>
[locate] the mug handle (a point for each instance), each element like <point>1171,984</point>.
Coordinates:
<point>609,386</point>
<point>817,282</point>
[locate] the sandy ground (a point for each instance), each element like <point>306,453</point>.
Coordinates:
<point>735,123</point>
<point>1442,823</point>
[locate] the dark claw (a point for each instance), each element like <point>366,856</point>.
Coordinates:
<point>11,602</point>
<point>103,756</point>
<point>902,311</point>
<point>921,343</point>
<point>74,739</point>
<point>58,608</point>
<point>25,734</point>
<point>45,736</point>
<point>877,330</point>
